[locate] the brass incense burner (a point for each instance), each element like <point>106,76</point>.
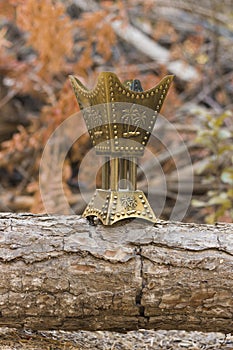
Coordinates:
<point>120,118</point>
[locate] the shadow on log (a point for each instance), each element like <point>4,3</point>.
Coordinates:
<point>58,272</point>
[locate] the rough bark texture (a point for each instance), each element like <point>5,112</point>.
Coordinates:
<point>58,272</point>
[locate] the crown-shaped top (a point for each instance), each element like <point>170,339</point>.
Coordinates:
<point>110,89</point>
<point>119,117</point>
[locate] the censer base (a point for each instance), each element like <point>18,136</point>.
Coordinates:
<point>111,206</point>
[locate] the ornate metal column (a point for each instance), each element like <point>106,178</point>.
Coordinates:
<point>119,118</point>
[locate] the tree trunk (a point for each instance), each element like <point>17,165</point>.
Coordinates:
<point>58,272</point>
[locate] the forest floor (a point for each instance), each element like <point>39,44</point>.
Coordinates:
<point>11,339</point>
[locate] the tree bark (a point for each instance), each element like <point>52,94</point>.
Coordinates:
<point>58,272</point>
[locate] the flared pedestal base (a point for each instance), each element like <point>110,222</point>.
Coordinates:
<point>111,206</point>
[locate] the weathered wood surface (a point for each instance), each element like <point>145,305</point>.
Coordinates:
<point>58,272</point>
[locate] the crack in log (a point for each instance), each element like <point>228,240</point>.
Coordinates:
<point>204,262</point>
<point>138,298</point>
<point>191,250</point>
<point>30,259</point>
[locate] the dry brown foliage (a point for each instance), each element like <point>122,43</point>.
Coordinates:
<point>42,42</point>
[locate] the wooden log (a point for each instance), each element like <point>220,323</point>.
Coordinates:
<point>58,272</point>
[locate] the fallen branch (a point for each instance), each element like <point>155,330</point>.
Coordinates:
<point>145,45</point>
<point>58,272</point>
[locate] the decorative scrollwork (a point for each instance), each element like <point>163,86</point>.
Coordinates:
<point>129,202</point>
<point>93,117</point>
<point>94,121</point>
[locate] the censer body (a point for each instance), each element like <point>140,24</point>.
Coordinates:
<point>119,118</point>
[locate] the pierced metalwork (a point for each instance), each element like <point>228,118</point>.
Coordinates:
<point>120,118</point>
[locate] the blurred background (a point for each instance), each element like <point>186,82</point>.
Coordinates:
<point>42,42</point>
